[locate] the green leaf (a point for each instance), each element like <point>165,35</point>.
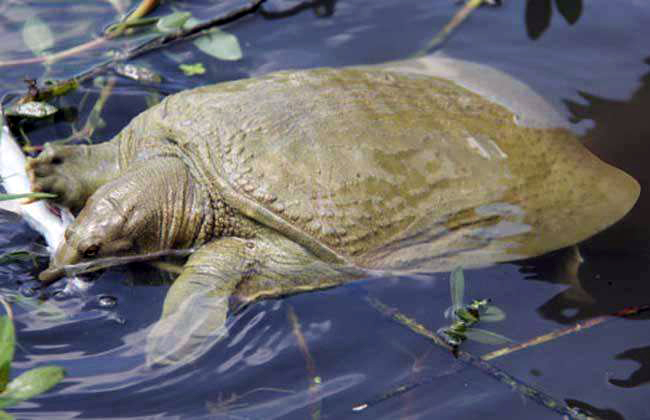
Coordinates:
<point>37,35</point>
<point>466,316</point>
<point>7,345</point>
<point>15,256</point>
<point>172,22</point>
<point>30,384</point>
<point>570,9</point>
<point>7,401</point>
<point>486,337</point>
<point>217,43</point>
<point>5,416</point>
<point>192,69</point>
<point>492,313</point>
<point>5,197</point>
<point>221,45</point>
<point>457,287</point>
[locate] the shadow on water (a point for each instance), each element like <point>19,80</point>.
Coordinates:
<point>621,136</point>
<point>610,271</point>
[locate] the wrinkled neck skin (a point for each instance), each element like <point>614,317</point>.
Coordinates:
<point>163,205</point>
<point>155,206</point>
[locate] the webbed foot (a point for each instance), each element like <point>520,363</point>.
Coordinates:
<point>72,172</point>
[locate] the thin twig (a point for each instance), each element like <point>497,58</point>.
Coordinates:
<point>525,390</point>
<point>444,33</point>
<point>309,360</point>
<point>144,8</point>
<point>580,326</point>
<point>94,117</point>
<point>103,263</point>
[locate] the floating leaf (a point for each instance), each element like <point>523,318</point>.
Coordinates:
<point>457,288</point>
<point>31,110</point>
<point>37,195</point>
<point>172,22</point>
<point>192,69</point>
<point>538,17</point>
<point>37,35</point>
<point>30,384</point>
<point>7,344</point>
<point>492,314</point>
<point>5,416</point>
<point>486,337</point>
<point>217,43</point>
<point>570,9</point>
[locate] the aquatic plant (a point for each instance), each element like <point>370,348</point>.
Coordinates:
<point>28,384</point>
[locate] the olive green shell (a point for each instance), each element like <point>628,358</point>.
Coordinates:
<point>388,170</point>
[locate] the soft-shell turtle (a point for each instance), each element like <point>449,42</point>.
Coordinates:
<point>301,180</point>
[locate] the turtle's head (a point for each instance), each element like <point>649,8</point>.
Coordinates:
<point>155,206</point>
<point>104,228</point>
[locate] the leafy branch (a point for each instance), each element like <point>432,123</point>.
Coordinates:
<point>522,388</point>
<point>115,31</point>
<point>175,35</point>
<point>27,385</point>
<point>451,337</point>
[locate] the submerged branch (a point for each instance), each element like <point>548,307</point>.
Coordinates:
<point>314,379</point>
<point>94,119</point>
<point>525,390</point>
<point>444,33</point>
<point>103,263</point>
<point>583,325</point>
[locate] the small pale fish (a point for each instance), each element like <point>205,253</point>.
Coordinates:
<point>37,214</point>
<point>32,110</point>
<point>139,73</point>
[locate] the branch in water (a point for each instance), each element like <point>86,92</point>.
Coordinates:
<point>525,390</point>
<point>151,45</point>
<point>102,263</point>
<point>143,9</point>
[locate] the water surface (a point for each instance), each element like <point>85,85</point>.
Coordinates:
<point>596,72</point>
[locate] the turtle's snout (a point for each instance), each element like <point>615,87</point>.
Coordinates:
<point>65,255</point>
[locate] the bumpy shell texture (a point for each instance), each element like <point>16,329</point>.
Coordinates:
<point>387,171</point>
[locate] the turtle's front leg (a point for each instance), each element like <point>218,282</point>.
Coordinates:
<point>196,307</point>
<point>73,172</point>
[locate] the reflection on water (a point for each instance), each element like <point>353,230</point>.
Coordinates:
<point>259,370</point>
<point>615,261</point>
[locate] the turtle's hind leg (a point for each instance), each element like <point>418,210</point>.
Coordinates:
<point>73,172</point>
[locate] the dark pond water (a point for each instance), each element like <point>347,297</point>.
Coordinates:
<point>596,72</point>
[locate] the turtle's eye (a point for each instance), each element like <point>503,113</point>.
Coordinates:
<point>91,251</point>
